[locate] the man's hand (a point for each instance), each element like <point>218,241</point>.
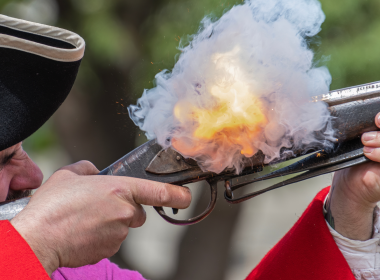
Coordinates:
<point>76,219</point>
<point>355,192</point>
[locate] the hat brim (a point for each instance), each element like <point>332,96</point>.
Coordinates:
<point>38,67</point>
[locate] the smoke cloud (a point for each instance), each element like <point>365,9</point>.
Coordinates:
<point>243,84</point>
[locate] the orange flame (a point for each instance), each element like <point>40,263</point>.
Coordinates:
<point>235,118</point>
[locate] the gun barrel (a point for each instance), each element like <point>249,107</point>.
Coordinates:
<point>350,120</point>
<point>354,118</point>
<point>345,95</point>
<point>9,209</point>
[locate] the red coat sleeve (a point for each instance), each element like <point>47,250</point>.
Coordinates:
<point>17,260</point>
<point>307,251</point>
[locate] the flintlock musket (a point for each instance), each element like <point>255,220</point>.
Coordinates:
<point>353,110</point>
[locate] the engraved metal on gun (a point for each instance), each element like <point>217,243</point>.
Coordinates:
<point>344,95</point>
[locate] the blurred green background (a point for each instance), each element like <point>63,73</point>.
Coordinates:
<point>128,42</point>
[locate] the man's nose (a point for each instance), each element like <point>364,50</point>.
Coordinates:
<point>27,176</point>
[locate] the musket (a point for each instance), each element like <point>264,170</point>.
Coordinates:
<point>353,111</point>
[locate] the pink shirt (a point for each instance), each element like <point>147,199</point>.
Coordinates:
<point>103,270</point>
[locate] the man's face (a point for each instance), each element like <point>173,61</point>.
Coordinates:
<point>18,173</point>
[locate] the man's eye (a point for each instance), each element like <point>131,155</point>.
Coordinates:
<point>7,158</point>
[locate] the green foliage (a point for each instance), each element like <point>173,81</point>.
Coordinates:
<point>42,139</point>
<point>350,36</point>
<point>3,3</point>
<point>109,41</point>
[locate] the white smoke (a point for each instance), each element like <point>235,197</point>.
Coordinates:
<point>258,52</point>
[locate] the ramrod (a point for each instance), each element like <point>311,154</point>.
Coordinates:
<point>353,110</point>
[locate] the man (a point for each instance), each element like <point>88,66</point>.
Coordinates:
<point>77,217</point>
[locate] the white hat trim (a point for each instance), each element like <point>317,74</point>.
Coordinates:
<point>59,54</point>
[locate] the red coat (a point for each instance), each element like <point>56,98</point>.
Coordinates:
<point>306,252</point>
<point>17,260</point>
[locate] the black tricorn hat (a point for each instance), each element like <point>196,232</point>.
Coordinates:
<point>38,67</point>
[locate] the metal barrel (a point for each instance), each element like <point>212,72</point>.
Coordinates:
<point>9,209</point>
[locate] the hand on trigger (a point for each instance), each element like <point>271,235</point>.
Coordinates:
<point>78,218</point>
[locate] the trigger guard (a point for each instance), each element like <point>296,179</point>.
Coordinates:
<point>197,219</point>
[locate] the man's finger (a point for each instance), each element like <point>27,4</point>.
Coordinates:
<point>372,153</point>
<point>159,194</point>
<point>139,217</point>
<point>371,139</point>
<point>82,167</point>
<point>377,120</point>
